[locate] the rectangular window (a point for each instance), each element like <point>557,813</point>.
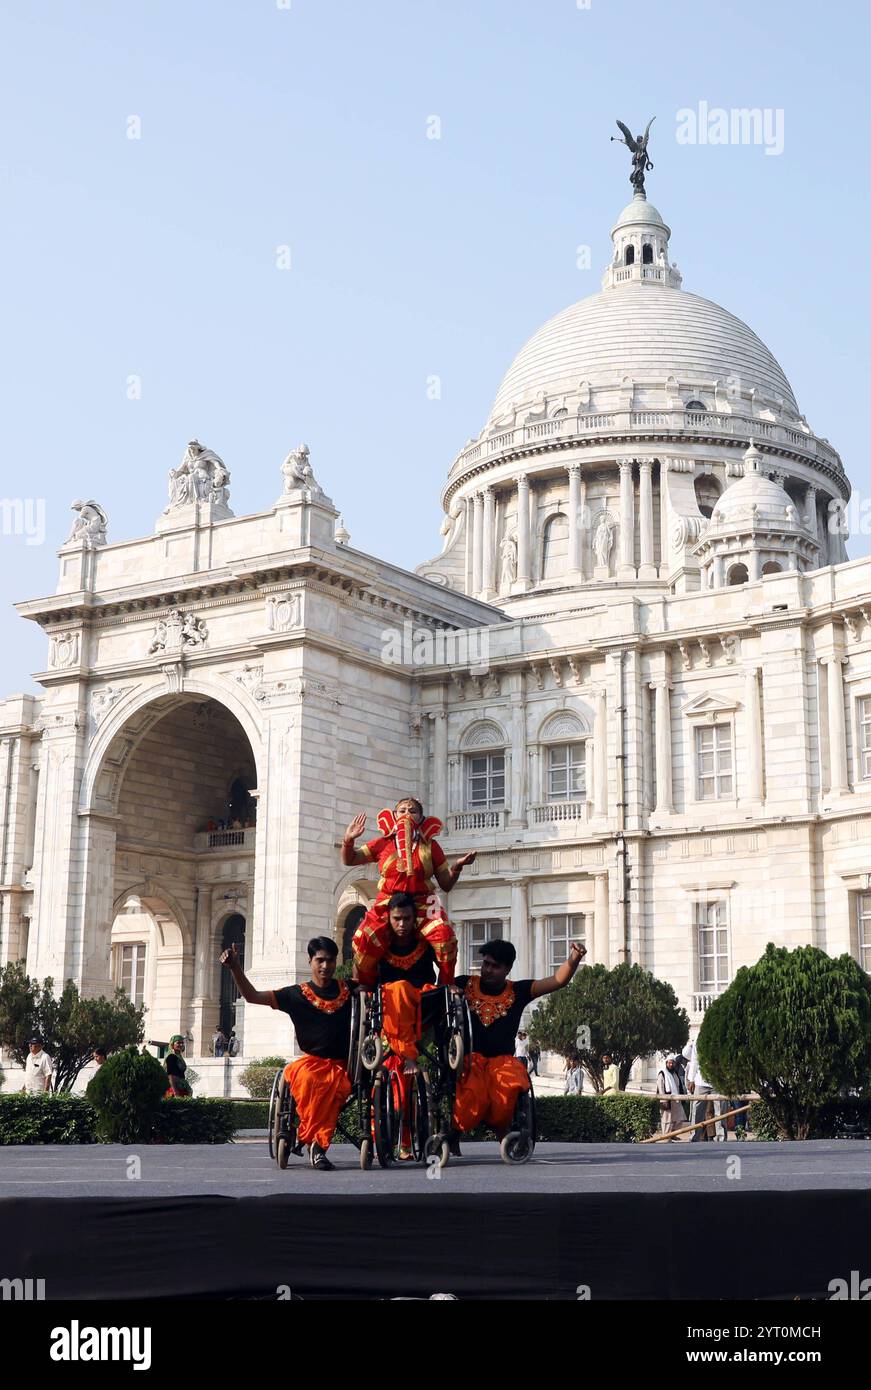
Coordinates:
<point>477,933</point>
<point>485,781</point>
<point>863,714</point>
<point>863,932</point>
<point>131,975</point>
<point>562,929</point>
<point>566,772</point>
<point>712,946</point>
<point>714,762</point>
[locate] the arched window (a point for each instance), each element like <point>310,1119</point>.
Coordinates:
<point>555,547</point>
<point>772,567</point>
<point>629,255</point>
<point>564,758</point>
<point>647,254</point>
<point>484,766</point>
<point>233,934</point>
<point>350,925</point>
<point>737,575</point>
<point>707,491</point>
<point>697,407</point>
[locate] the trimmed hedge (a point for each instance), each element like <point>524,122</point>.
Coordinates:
<point>60,1119</point>
<point>196,1121</point>
<point>849,1118</point>
<point>66,1119</point>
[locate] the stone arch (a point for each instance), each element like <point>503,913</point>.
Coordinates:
<point>737,574</point>
<point>483,733</point>
<point>147,913</point>
<point>563,725</point>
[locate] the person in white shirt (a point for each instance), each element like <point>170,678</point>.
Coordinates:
<point>521,1050</point>
<point>37,1069</point>
<point>668,1085</point>
<point>698,1086</point>
<point>610,1075</point>
<point>574,1083</point>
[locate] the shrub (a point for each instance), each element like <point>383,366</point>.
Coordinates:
<point>196,1121</point>
<point>625,1011</point>
<point>847,1118</point>
<point>126,1094</point>
<point>258,1076</point>
<point>70,1025</point>
<point>46,1119</point>
<point>796,1028</point>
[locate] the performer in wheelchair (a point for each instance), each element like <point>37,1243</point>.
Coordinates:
<point>410,860</point>
<point>320,1010</point>
<point>408,971</point>
<point>495,1079</point>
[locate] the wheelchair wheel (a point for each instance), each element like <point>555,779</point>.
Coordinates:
<point>421,1116</point>
<point>284,1136</point>
<point>273,1106</point>
<point>456,1052</point>
<point>372,1051</point>
<point>358,1032</point>
<point>519,1143</point>
<point>381,1111</point>
<point>366,1155</point>
<point>437,1147</point>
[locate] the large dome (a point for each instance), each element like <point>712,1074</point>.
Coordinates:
<point>648,333</point>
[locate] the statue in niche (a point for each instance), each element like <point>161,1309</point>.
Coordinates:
<point>603,539</point>
<point>508,551</point>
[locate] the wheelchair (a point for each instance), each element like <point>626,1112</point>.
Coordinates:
<point>431,1089</point>
<point>283,1115</point>
<point>518,1144</point>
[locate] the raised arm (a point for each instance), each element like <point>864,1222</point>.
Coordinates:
<point>563,974</point>
<point>350,854</point>
<point>230,958</point>
<point>447,875</point>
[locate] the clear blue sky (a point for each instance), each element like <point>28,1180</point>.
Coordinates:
<point>264,126</point>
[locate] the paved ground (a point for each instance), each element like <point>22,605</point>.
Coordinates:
<point>244,1169</point>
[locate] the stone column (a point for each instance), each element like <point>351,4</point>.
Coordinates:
<point>601,923</point>
<point>539,947</point>
<point>719,576</point>
<point>478,546</point>
<point>518,760</point>
<point>523,572</point>
<point>754,568</point>
<point>440,762</point>
<point>488,586</point>
<point>839,782</point>
<point>584,524</point>
<point>520,927</point>
<point>574,518</point>
<point>204,1008</point>
<point>647,569</point>
<point>469,504</point>
<point>664,803</point>
<point>626,568</point>
<point>600,756</point>
<point>810,510</point>
<point>754,733</point>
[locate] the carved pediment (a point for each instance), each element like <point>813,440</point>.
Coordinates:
<point>709,706</point>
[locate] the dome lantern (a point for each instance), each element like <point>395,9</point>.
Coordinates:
<point>640,237</point>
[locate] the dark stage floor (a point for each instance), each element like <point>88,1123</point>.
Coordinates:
<point>587,1221</point>
<point>245,1170</point>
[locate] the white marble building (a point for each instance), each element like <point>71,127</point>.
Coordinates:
<point>637,680</point>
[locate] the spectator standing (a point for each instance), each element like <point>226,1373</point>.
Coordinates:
<point>701,1089</point>
<point>38,1069</point>
<point>610,1075</point>
<point>219,1043</point>
<point>521,1050</point>
<point>534,1057</point>
<point>233,1044</point>
<point>574,1082</point>
<point>99,1057</point>
<point>669,1085</point>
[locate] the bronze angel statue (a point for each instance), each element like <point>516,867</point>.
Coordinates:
<point>641,165</point>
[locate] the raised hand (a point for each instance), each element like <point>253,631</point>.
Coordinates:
<point>356,828</point>
<point>230,957</point>
<point>466,859</point>
<point>577,948</point>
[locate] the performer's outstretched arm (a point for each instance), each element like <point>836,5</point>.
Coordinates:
<point>447,876</point>
<point>230,958</point>
<point>563,974</point>
<point>350,854</point>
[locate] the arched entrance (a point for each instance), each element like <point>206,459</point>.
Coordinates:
<point>171,817</point>
<point>233,934</point>
<point>349,926</point>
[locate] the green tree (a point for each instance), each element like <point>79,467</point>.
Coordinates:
<point>126,1095</point>
<point>796,1027</point>
<point>70,1025</point>
<point>625,1011</point>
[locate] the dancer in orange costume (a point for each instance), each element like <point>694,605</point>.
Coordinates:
<point>320,1010</point>
<point>494,1078</point>
<point>409,859</point>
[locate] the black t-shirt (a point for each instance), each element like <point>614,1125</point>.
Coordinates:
<point>496,1039</point>
<point>318,1033</point>
<point>175,1065</point>
<point>423,971</point>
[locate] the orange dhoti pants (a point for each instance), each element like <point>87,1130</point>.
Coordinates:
<point>402,1025</point>
<point>487,1092</point>
<point>320,1088</point>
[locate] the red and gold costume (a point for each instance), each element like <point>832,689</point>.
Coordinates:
<point>493,1077</point>
<point>407,857</point>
